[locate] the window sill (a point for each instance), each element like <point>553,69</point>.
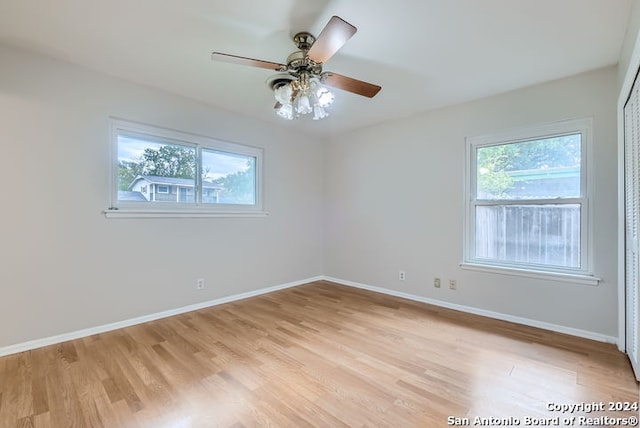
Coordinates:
<point>536,274</point>
<point>129,213</point>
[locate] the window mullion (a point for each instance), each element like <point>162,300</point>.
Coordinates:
<point>556,201</point>
<point>198,183</point>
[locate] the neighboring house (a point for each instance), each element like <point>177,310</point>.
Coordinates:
<point>545,183</point>
<point>558,182</point>
<point>170,189</point>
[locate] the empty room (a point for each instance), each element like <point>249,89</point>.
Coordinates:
<point>322,213</point>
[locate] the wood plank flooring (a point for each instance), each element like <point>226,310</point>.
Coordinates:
<point>316,355</point>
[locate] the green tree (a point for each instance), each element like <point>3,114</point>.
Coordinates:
<point>169,161</point>
<point>492,166</point>
<point>166,161</point>
<point>494,163</point>
<point>127,172</point>
<point>239,187</point>
<point>553,152</point>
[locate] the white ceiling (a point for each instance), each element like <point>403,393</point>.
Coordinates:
<point>424,53</point>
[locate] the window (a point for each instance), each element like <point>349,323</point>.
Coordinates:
<point>160,172</point>
<point>528,200</point>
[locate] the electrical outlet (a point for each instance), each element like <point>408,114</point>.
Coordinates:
<point>452,284</point>
<point>200,284</point>
<point>436,282</point>
<point>402,275</point>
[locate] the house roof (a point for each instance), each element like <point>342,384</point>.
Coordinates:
<point>545,174</point>
<point>127,195</point>
<point>173,181</point>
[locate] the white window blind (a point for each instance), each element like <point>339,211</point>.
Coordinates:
<point>632,216</point>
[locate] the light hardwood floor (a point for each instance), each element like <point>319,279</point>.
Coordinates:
<point>316,355</point>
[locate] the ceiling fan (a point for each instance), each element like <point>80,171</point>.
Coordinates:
<point>300,87</point>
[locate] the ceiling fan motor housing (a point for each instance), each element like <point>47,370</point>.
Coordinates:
<point>299,62</point>
<point>304,40</point>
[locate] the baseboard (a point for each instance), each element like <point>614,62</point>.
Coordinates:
<point>52,340</point>
<point>489,314</point>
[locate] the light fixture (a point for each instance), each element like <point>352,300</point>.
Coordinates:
<point>299,87</point>
<point>304,95</point>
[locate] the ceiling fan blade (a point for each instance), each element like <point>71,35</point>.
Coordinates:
<point>350,84</point>
<point>332,37</point>
<point>241,60</point>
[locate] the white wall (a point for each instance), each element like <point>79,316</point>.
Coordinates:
<point>631,37</point>
<point>64,267</point>
<point>394,200</point>
<point>384,198</point>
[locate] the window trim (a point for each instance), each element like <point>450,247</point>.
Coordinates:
<point>583,275</point>
<point>125,209</point>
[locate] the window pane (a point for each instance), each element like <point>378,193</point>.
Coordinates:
<point>152,171</point>
<point>540,169</point>
<point>546,235</point>
<point>228,178</point>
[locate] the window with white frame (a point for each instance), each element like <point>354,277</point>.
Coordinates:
<point>167,172</point>
<point>527,199</point>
